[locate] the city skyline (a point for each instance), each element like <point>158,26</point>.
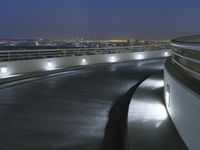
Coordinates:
<point>92,19</point>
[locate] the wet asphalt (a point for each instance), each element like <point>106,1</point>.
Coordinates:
<point>72,111</point>
<point>149,125</point>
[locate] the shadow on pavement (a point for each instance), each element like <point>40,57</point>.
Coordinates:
<point>115,131</point>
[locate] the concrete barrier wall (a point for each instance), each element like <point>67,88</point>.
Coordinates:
<point>184,109</point>
<point>25,66</point>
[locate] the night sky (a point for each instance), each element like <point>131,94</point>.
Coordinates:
<point>99,19</point>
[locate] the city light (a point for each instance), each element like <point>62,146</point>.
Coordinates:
<point>4,69</point>
<point>167,98</point>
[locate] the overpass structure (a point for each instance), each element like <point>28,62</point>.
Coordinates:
<point>86,99</point>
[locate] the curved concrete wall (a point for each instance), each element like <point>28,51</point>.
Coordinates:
<point>184,109</point>
<point>24,66</point>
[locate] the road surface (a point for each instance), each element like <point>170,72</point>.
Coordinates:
<point>69,111</point>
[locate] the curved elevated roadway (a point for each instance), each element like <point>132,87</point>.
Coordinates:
<point>69,111</point>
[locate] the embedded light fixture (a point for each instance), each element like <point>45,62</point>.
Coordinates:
<point>139,56</point>
<point>167,95</point>
<point>112,59</point>
<point>4,69</point>
<point>166,54</point>
<point>50,65</point>
<point>83,60</point>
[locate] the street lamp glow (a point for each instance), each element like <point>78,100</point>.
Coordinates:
<point>4,69</point>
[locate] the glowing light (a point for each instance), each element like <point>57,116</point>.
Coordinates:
<point>50,65</point>
<point>167,98</point>
<point>167,95</point>
<point>83,60</point>
<point>112,59</point>
<point>139,56</point>
<point>4,69</point>
<point>37,43</point>
<point>166,54</point>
